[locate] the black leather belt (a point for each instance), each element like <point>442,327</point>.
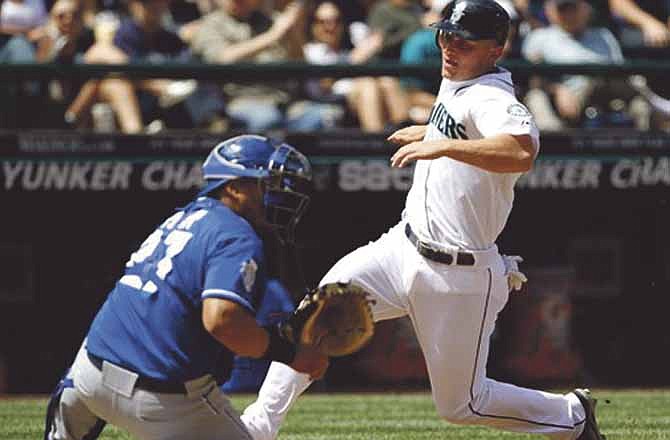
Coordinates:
<point>147,383</point>
<point>462,258</point>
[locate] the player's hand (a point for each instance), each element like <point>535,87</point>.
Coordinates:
<point>656,34</point>
<point>288,18</point>
<point>404,136</point>
<point>309,361</point>
<point>424,150</point>
<point>515,278</point>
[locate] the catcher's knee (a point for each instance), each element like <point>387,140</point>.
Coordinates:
<point>53,407</point>
<point>67,416</point>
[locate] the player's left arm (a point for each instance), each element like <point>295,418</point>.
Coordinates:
<point>502,153</point>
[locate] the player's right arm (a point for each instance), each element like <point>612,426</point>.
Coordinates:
<point>233,326</point>
<point>503,153</point>
<point>228,312</point>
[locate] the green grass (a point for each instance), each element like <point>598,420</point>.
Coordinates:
<point>632,415</point>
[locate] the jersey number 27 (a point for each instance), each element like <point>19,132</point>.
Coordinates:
<point>176,232</point>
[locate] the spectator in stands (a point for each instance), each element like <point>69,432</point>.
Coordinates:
<point>396,20</point>
<point>420,48</point>
<point>644,23</point>
<point>205,6</point>
<point>532,12</point>
<point>354,10</point>
<point>185,11</point>
<point>239,31</point>
<point>186,16</point>
<point>66,39</point>
<point>142,37</point>
<point>376,102</point>
<point>533,15</point>
<point>570,40</point>
<point>21,23</point>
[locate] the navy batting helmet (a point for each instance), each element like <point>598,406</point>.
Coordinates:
<point>283,172</point>
<point>475,20</point>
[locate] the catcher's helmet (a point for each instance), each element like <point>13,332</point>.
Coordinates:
<point>475,20</point>
<point>283,171</point>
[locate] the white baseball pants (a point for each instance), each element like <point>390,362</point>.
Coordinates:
<point>453,310</point>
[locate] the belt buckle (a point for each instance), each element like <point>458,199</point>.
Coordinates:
<point>465,259</point>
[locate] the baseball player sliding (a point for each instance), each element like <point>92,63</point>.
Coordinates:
<point>167,332</point>
<point>440,264</point>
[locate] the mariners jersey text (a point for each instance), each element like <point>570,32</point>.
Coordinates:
<point>443,121</point>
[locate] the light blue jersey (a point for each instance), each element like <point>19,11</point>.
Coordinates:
<point>151,322</point>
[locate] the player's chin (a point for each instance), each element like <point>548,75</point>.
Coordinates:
<point>448,72</point>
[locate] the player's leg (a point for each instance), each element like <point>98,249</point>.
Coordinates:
<point>381,269</point>
<point>378,268</point>
<point>203,412</point>
<point>454,309</point>
<point>68,417</point>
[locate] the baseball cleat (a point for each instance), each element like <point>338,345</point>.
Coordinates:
<point>591,431</point>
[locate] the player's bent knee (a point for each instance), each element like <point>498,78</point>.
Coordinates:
<point>457,414</point>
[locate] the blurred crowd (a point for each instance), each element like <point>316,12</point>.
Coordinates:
<point>319,32</point>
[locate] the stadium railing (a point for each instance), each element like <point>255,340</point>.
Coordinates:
<point>298,70</point>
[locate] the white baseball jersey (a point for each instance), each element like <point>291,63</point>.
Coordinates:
<point>453,203</point>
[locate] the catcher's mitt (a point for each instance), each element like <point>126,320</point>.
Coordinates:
<point>336,319</point>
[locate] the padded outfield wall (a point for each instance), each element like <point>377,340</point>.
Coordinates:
<point>591,220</point>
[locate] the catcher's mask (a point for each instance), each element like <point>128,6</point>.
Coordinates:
<point>474,20</point>
<point>283,173</point>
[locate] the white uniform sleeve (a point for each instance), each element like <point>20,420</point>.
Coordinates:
<point>500,113</point>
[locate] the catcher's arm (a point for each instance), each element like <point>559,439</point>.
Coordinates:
<point>233,326</point>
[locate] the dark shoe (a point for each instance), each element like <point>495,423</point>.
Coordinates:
<point>591,431</point>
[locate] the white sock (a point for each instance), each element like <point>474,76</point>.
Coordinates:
<point>281,388</point>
